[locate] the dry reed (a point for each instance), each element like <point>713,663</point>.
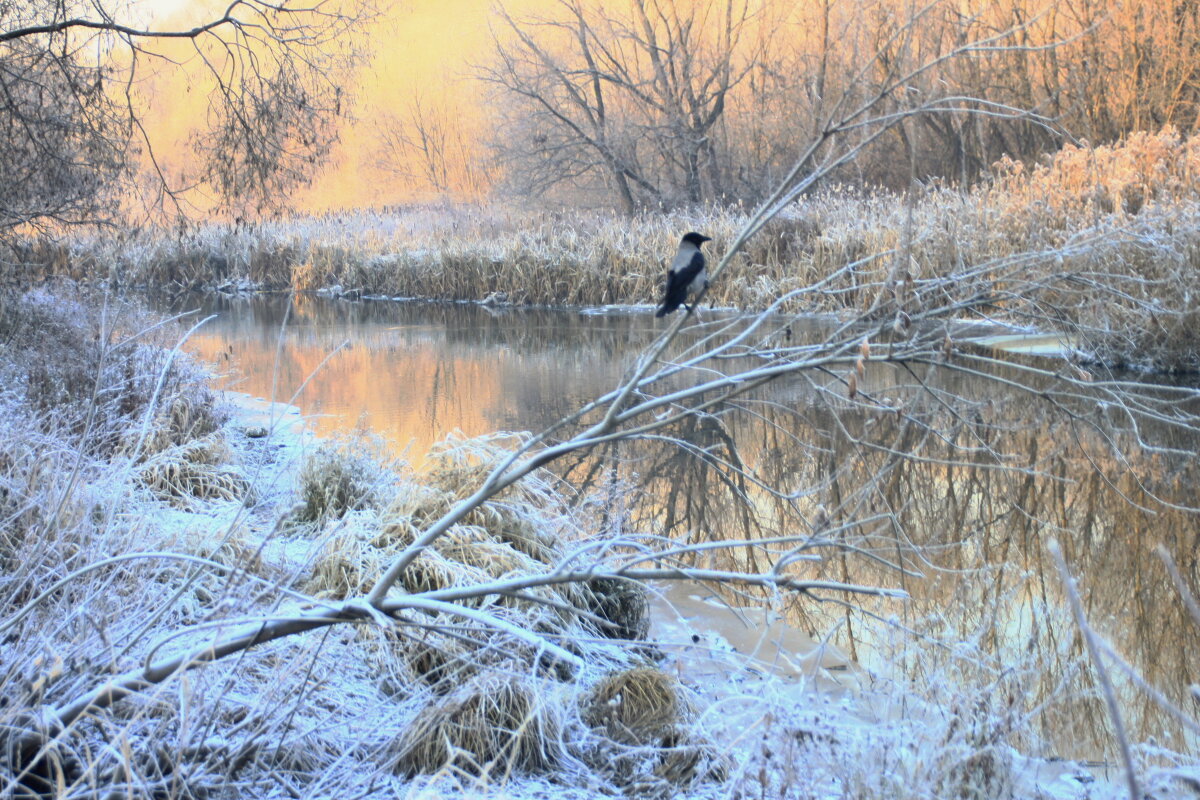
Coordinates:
<point>489,725</point>
<point>342,475</point>
<point>1110,234</point>
<point>198,469</point>
<point>641,706</point>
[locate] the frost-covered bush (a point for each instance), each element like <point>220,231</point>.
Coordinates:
<point>97,373</point>
<point>83,380</point>
<point>341,475</point>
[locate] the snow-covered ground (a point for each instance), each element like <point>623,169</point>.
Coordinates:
<point>143,552</point>
<point>789,716</point>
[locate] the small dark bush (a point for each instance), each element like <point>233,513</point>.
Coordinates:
<point>337,477</point>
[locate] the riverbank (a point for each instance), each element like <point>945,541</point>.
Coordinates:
<point>1098,245</point>
<point>176,513</point>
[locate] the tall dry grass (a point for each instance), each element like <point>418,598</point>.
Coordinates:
<point>1105,241</point>
<point>95,537</point>
<point>97,418</point>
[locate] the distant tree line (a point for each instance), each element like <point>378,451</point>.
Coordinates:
<point>660,103</point>
<point>635,104</point>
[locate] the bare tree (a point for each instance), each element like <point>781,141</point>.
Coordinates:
<point>73,121</point>
<point>634,98</point>
<point>675,103</point>
<point>657,104</point>
<point>429,148</point>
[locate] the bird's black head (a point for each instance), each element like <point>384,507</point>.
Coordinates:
<point>696,238</point>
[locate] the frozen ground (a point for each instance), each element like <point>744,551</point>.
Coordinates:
<point>791,716</point>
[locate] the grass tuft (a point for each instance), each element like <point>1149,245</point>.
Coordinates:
<point>199,469</point>
<point>623,604</point>
<point>341,475</point>
<point>641,706</point>
<point>489,725</point>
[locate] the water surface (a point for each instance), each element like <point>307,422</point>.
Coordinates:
<point>965,488</point>
<point>414,371</point>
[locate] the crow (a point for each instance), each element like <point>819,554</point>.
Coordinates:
<point>687,276</point>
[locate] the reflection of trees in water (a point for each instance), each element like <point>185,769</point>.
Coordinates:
<point>420,369</point>
<point>965,491</point>
<point>928,468</point>
<point>459,325</point>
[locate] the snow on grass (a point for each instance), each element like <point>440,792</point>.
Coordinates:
<point>435,706</point>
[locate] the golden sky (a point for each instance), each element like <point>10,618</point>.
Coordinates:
<point>420,47</point>
<point>424,47</point>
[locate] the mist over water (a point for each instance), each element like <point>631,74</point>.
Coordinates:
<point>952,510</point>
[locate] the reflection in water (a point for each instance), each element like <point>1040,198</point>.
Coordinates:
<point>413,372</point>
<point>963,488</point>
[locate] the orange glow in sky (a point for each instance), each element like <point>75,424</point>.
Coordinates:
<point>424,48</point>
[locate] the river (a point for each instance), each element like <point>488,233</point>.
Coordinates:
<point>966,497</point>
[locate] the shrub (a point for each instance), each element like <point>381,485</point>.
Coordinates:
<point>98,374</point>
<point>341,475</point>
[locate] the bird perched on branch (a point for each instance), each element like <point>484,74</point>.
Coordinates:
<point>687,276</point>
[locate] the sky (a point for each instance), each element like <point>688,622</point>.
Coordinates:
<point>425,47</point>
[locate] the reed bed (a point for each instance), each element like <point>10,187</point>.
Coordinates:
<point>1107,240</point>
